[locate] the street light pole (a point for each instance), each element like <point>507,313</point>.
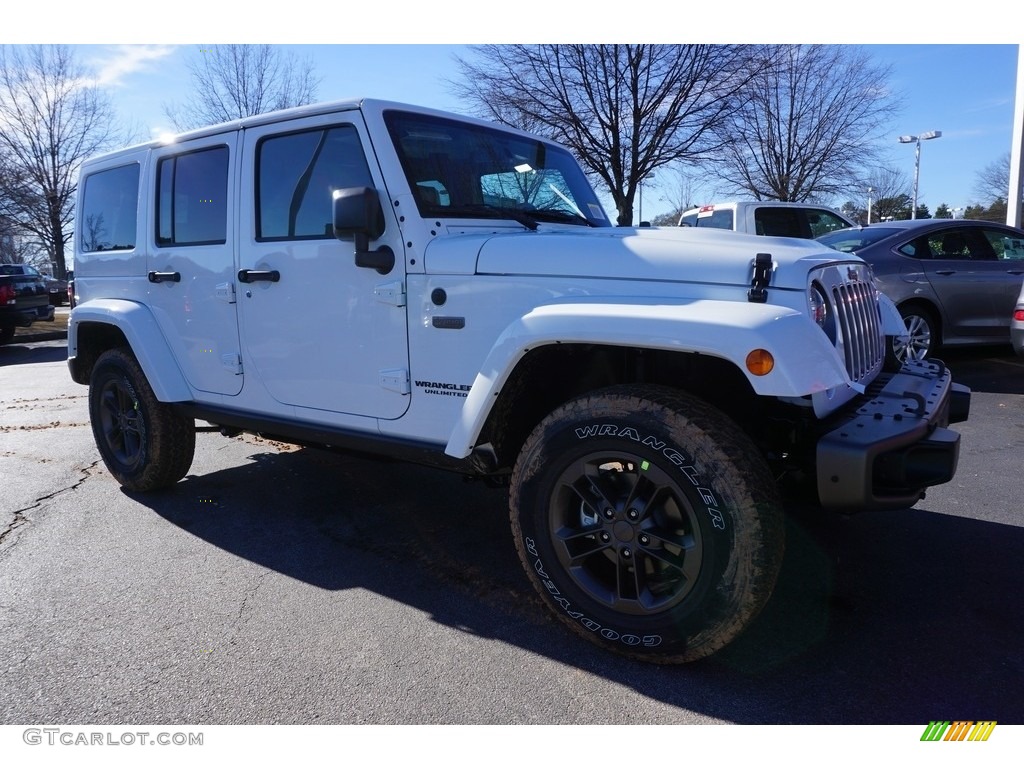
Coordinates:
<point>648,177</point>
<point>917,160</point>
<point>870,190</point>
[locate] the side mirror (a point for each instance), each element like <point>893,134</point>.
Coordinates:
<point>357,214</point>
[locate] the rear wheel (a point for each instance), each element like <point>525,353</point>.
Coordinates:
<point>6,333</point>
<point>143,442</point>
<point>647,522</point>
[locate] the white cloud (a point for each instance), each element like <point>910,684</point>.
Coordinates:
<point>117,62</point>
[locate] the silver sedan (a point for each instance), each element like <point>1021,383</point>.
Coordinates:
<point>954,281</point>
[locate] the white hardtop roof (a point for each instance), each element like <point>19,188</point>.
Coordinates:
<point>365,105</point>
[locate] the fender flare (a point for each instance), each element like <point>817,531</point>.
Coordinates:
<point>805,360</point>
<point>145,338</point>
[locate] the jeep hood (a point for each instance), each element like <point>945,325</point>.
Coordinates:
<point>669,254</point>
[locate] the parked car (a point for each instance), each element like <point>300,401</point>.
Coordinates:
<point>1017,325</point>
<point>954,281</point>
<point>767,217</point>
<point>71,288</point>
<point>58,290</point>
<point>55,288</point>
<point>23,299</point>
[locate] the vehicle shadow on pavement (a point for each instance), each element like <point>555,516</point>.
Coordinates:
<point>881,618</point>
<point>14,353</point>
<point>993,369</point>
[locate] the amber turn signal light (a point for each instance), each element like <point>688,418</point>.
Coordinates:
<point>760,362</point>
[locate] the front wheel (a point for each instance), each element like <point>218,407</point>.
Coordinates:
<point>922,338</point>
<point>647,522</point>
<point>143,442</point>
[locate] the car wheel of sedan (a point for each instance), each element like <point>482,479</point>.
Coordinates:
<point>922,339</point>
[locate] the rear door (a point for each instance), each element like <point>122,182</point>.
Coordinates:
<point>191,259</point>
<point>975,288</point>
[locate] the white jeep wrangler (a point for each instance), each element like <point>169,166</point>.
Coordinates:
<point>380,278</point>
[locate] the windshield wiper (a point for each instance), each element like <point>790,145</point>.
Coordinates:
<point>559,215</point>
<point>483,210</point>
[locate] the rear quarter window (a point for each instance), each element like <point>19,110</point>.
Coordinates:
<point>110,201</point>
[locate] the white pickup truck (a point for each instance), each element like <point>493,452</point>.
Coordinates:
<point>767,217</point>
<point>375,277</point>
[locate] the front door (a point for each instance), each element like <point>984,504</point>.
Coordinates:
<point>319,331</point>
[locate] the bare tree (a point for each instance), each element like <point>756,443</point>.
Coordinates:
<point>993,181</point>
<point>624,110</point>
<point>235,81</point>
<point>810,124</point>
<point>51,120</point>
<point>889,189</point>
<point>683,188</point>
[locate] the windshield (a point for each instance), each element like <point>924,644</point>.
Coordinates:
<point>853,239</point>
<point>457,169</point>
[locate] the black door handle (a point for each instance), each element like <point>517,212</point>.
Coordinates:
<point>164,277</point>
<point>255,275</point>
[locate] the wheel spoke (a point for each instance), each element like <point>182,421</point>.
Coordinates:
<point>628,580</point>
<point>588,487</point>
<point>580,545</point>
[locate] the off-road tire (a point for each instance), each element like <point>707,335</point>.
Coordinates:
<point>648,522</point>
<point>144,443</point>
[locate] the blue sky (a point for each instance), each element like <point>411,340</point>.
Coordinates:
<point>965,91</point>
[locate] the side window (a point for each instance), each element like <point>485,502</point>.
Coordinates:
<point>780,222</point>
<point>191,198</point>
<point>110,201</point>
<point>296,176</point>
<point>920,248</point>
<point>1006,245</point>
<point>962,243</point>
<point>824,221</point>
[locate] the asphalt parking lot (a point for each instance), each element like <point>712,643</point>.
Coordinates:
<point>284,585</point>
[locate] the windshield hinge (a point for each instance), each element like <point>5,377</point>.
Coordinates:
<point>758,293</point>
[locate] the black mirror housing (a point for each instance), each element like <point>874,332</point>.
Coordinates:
<point>357,214</point>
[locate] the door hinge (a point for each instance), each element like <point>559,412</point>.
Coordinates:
<point>232,361</point>
<point>395,379</point>
<point>391,293</point>
<point>225,292</point>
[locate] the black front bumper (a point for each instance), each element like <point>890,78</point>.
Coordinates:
<point>888,446</point>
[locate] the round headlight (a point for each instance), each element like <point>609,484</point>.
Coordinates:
<point>821,311</point>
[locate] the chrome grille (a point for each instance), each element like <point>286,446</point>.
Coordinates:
<point>861,340</point>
